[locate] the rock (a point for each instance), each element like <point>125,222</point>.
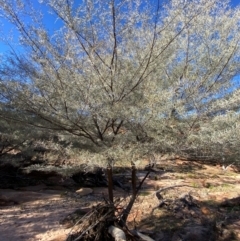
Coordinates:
<point>84,191</point>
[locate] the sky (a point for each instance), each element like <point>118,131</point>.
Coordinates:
<point>50,23</point>
<point>235,2</point>
<point>8,29</point>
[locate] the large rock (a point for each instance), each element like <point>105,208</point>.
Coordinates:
<point>84,191</point>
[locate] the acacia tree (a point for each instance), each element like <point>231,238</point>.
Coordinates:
<point>119,70</point>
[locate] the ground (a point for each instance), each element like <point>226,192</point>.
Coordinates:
<point>196,201</point>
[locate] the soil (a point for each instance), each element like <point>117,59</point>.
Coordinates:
<point>195,201</point>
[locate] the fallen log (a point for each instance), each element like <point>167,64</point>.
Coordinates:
<point>117,233</point>
<point>142,236</point>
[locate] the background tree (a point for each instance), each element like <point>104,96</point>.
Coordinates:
<point>160,75</point>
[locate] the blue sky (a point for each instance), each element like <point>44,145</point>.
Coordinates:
<point>50,23</point>
<point>235,2</point>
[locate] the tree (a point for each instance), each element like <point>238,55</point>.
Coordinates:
<point>120,71</point>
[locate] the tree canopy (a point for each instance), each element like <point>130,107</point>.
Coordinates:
<point>160,74</point>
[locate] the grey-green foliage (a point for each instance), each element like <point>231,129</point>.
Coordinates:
<point>10,138</point>
<point>127,71</point>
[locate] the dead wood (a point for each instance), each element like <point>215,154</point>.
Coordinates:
<point>126,212</point>
<point>93,226</point>
<point>110,183</point>
<point>103,220</point>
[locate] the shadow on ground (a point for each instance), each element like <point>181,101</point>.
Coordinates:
<point>187,219</point>
<point>177,216</point>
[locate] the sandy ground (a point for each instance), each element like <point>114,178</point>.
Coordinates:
<point>38,219</point>
<point>33,214</point>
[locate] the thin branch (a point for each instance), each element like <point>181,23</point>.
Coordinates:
<point>131,202</point>
<point>114,52</point>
